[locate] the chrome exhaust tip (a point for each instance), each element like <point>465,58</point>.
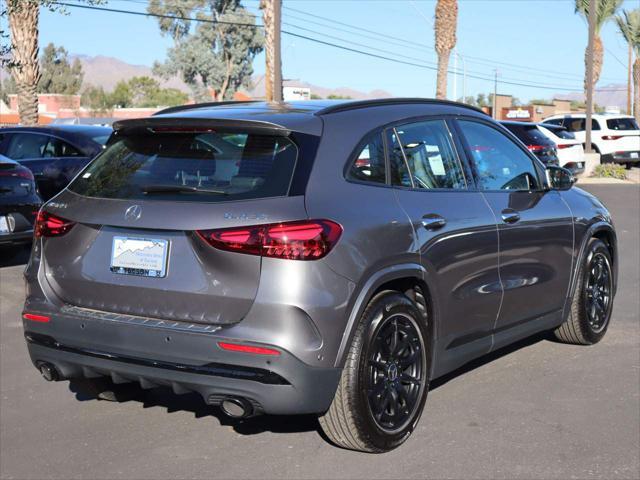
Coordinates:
<point>49,372</point>
<point>235,407</point>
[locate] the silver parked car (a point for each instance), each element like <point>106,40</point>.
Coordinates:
<point>325,258</point>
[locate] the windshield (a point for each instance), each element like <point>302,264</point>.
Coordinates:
<point>208,166</point>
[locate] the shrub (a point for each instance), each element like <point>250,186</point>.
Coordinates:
<point>610,170</point>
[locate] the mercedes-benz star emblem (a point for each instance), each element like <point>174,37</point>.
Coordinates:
<point>134,212</point>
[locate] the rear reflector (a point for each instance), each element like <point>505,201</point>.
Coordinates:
<point>566,145</point>
<point>49,225</point>
<point>237,347</point>
<point>36,318</point>
<point>611,137</point>
<point>301,240</point>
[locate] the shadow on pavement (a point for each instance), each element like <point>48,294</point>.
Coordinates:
<point>164,397</point>
<point>14,255</point>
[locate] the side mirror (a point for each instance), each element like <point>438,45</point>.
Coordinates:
<point>559,178</point>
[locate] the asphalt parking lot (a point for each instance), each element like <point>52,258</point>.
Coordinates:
<point>537,410</point>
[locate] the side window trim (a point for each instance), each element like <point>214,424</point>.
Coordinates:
<point>404,159</point>
<point>467,150</point>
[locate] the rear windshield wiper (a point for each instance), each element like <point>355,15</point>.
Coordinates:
<point>179,189</point>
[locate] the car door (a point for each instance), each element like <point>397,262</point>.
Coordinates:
<point>535,227</point>
<point>456,235</point>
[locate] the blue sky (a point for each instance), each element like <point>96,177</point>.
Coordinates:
<point>537,42</point>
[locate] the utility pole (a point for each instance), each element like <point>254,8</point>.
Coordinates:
<point>494,113</point>
<point>271,18</point>
<point>277,59</point>
<point>629,80</point>
<point>592,32</point>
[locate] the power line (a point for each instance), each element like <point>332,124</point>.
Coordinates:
<point>315,40</point>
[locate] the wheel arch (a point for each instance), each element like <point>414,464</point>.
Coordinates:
<point>605,232</point>
<point>409,279</point>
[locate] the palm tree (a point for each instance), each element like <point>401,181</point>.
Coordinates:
<point>629,25</point>
<point>23,21</point>
<point>445,30</point>
<point>605,11</point>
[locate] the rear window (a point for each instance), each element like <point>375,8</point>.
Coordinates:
<point>528,134</point>
<point>622,124</point>
<point>191,166</point>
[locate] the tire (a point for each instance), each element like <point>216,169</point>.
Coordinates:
<point>381,395</point>
<point>580,328</point>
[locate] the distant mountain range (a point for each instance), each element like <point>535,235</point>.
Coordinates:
<point>611,95</point>
<point>105,72</point>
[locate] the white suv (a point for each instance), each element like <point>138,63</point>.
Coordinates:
<point>615,137</point>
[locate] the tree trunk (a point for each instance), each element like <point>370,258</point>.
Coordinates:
<point>445,31</point>
<point>441,83</point>
<point>269,34</point>
<point>598,54</point>
<point>23,21</point>
<point>636,89</point>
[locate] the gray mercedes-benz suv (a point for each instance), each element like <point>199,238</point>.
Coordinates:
<point>312,257</point>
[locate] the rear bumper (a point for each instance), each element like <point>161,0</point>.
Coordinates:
<point>16,237</point>
<point>632,158</point>
<point>182,360</point>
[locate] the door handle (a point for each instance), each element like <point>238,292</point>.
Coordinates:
<point>433,221</point>
<point>510,216</point>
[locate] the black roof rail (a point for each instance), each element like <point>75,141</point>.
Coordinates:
<point>379,102</point>
<point>181,108</point>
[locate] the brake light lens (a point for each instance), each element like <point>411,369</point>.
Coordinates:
<point>566,145</point>
<point>36,318</point>
<point>238,347</point>
<point>20,173</point>
<point>49,225</point>
<point>535,148</point>
<point>611,137</point>
<point>301,240</point>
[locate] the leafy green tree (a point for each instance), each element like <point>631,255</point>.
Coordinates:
<point>121,95</point>
<point>315,96</point>
<point>57,74</point>
<point>333,96</point>
<point>97,100</point>
<point>216,54</point>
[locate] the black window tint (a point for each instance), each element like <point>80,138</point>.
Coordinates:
<point>579,124</point>
<point>60,148</point>
<point>500,164</point>
<point>430,156</point>
<point>555,121</point>
<point>398,170</point>
<point>368,166</point>
<point>206,167</point>
<point>27,145</point>
<point>622,124</point>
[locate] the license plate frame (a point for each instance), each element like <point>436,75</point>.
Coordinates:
<point>139,256</point>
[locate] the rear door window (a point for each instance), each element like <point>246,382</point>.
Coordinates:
<point>423,157</point>
<point>25,146</point>
<point>622,124</point>
<point>191,167</point>
<point>59,148</point>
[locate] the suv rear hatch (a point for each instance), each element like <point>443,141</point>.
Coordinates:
<point>138,216</point>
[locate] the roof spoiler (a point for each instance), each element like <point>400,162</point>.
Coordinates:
<point>182,108</point>
<point>185,124</point>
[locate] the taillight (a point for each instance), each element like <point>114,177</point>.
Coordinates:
<point>302,240</point>
<point>49,225</point>
<point>20,173</point>
<point>611,137</point>
<point>535,148</point>
<point>566,145</point>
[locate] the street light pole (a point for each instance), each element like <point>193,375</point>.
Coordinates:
<point>593,4</point>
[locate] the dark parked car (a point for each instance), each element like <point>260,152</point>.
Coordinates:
<point>55,154</point>
<point>536,141</point>
<point>19,202</point>
<point>346,256</point>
